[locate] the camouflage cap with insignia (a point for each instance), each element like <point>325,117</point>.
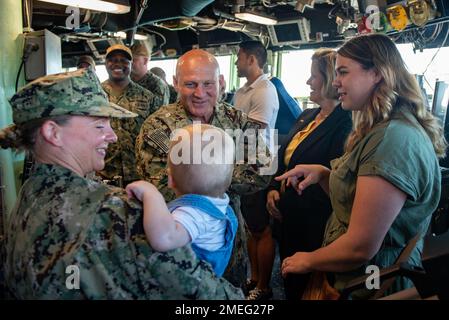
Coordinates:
<point>71,93</point>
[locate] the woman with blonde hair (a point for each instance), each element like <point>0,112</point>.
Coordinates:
<point>69,232</point>
<point>318,136</point>
<point>386,186</point>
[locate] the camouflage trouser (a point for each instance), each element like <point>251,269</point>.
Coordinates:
<point>237,269</point>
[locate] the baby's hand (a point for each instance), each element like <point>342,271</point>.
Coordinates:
<point>138,189</point>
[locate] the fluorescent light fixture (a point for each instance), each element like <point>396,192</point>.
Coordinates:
<point>111,6</point>
<point>255,17</point>
<point>137,36</point>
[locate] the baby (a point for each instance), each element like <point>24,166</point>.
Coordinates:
<point>200,167</point>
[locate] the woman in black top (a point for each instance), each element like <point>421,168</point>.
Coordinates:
<point>317,137</point>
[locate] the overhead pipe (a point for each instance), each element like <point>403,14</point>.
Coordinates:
<point>132,32</point>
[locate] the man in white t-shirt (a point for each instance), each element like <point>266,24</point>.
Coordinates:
<point>257,98</point>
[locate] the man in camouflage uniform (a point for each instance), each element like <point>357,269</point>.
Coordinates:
<point>197,82</point>
<point>161,74</point>
<point>146,79</point>
<point>120,161</point>
<point>85,61</point>
<point>69,237</point>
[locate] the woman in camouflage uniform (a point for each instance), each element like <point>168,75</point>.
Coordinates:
<point>70,237</point>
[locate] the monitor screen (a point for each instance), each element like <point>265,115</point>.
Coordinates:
<point>289,32</point>
<point>440,100</point>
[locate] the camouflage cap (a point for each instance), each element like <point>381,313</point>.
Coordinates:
<point>85,59</point>
<point>120,47</point>
<point>139,49</point>
<point>71,93</point>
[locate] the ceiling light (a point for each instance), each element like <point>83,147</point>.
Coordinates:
<point>137,36</point>
<point>255,17</point>
<point>111,6</point>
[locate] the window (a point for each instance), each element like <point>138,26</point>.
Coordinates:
<point>438,69</point>
<point>295,70</point>
<point>169,66</point>
<point>225,68</point>
<point>101,72</point>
